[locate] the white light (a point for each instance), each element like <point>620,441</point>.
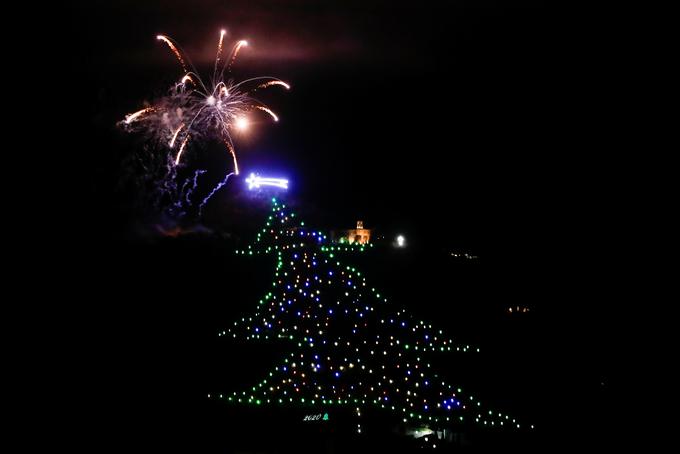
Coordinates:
<point>210,101</point>
<point>401,241</point>
<point>255,181</point>
<point>241,123</point>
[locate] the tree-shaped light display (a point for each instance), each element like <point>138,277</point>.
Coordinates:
<point>347,345</point>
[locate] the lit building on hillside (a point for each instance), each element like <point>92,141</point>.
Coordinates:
<point>359,235</point>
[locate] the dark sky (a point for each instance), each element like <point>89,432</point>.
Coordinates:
<point>410,115</point>
<point>478,125</point>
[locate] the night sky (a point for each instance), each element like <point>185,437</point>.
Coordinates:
<point>445,118</point>
<point>461,124</point>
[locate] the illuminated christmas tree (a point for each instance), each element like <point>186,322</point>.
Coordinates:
<point>347,344</point>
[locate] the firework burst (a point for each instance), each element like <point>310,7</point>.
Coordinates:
<point>198,110</point>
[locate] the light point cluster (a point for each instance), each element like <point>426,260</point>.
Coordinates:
<point>347,344</point>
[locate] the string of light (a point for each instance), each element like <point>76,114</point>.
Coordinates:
<point>347,345</point>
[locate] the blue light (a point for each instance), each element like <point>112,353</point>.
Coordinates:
<point>255,182</point>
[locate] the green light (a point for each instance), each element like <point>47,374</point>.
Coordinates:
<point>325,416</point>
